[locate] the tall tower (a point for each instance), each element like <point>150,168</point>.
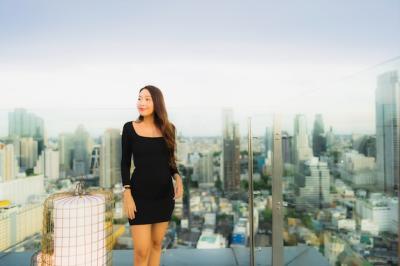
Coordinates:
<point>318,139</point>
<point>95,161</point>
<point>81,151</point>
<point>301,147</point>
<point>387,131</point>
<point>110,158</point>
<point>24,124</point>
<point>230,152</point>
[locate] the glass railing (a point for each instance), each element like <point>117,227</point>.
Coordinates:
<point>336,160</point>
<point>324,161</point>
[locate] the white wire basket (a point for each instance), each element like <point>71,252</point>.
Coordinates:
<point>77,228</point>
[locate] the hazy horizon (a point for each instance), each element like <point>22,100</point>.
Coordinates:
<point>258,57</point>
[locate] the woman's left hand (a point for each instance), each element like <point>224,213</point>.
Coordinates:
<point>178,187</point>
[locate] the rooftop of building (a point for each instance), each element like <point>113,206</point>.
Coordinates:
<point>295,255</point>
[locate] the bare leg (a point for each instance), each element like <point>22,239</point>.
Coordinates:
<point>141,236</point>
<point>157,235</point>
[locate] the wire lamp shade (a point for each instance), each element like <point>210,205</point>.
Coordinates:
<point>77,229</point>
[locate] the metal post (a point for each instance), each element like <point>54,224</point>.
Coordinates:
<point>277,218</point>
<point>398,175</point>
<point>251,194</point>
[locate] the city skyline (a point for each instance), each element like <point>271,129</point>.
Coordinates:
<point>96,124</point>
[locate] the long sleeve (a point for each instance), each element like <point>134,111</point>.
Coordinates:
<point>126,156</point>
<point>173,170</point>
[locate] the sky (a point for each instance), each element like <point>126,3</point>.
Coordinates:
<point>83,62</point>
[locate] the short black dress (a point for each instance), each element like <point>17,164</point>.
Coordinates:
<point>151,181</point>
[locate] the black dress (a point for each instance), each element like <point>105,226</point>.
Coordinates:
<point>151,181</point>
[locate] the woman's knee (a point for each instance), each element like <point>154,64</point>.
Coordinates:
<point>156,244</point>
<point>142,253</point>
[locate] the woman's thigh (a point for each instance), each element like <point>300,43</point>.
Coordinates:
<point>141,236</point>
<point>158,232</point>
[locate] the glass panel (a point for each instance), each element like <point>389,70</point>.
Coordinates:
<point>340,156</point>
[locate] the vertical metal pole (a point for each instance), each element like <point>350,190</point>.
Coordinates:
<point>251,194</point>
<point>398,175</point>
<point>277,218</point>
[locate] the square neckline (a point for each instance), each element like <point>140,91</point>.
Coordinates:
<point>133,128</point>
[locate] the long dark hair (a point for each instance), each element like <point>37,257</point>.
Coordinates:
<point>161,121</point>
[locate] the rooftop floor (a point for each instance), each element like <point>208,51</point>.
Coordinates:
<point>297,255</point>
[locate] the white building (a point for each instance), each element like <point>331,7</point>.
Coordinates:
<point>18,223</point>
<point>8,162</point>
<point>19,190</point>
<point>348,224</point>
<point>343,189</point>
<point>379,210</point>
<point>48,164</point>
<point>358,169</point>
<point>369,226</point>
<point>209,240</point>
<point>302,147</point>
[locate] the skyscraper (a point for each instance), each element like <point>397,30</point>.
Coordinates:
<point>316,188</point>
<point>230,152</point>
<point>301,147</point>
<point>110,158</point>
<point>95,161</point>
<point>8,162</point>
<point>65,146</point>
<point>24,124</point>
<point>82,148</point>
<point>268,140</point>
<point>318,137</point>
<point>28,152</point>
<point>287,147</point>
<point>387,131</point>
<point>48,164</point>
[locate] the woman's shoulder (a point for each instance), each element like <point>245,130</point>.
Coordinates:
<point>127,126</point>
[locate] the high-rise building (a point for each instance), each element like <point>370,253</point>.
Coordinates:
<point>19,223</point>
<point>48,164</point>
<point>302,150</point>
<point>315,191</point>
<point>110,158</point>
<point>182,150</point>
<point>24,124</point>
<point>230,152</point>
<point>287,148</point>
<point>267,141</point>
<point>330,139</point>
<point>387,131</point>
<point>82,147</point>
<point>318,139</point>
<point>8,162</point>
<point>205,168</point>
<point>95,161</point>
<point>28,153</point>
<point>358,169</point>
<point>65,147</point>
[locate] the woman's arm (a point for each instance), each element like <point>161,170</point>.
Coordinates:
<point>174,172</point>
<point>126,156</point>
<point>173,169</point>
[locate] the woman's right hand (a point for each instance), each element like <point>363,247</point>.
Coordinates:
<point>129,204</point>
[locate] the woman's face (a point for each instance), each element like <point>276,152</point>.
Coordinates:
<point>145,103</point>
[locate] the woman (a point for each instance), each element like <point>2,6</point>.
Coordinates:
<point>149,194</point>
